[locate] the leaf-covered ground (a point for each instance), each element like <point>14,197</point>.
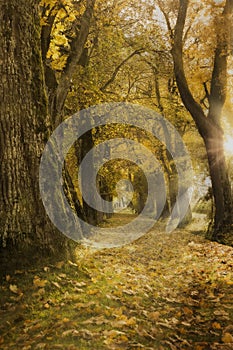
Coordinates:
<point>164,291</point>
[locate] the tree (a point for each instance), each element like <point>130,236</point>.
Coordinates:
<point>129,66</point>
<point>24,128</point>
<point>66,28</point>
<point>209,124</point>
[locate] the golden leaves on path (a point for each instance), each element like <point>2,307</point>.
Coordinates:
<point>164,292</point>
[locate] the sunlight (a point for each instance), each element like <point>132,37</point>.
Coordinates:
<point>228,145</point>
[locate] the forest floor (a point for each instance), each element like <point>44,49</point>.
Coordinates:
<point>163,291</point>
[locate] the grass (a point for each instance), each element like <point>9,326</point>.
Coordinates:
<point>164,291</point>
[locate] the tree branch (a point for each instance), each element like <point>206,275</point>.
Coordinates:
<point>169,27</point>
<point>117,69</point>
<point>78,47</point>
<point>177,53</point>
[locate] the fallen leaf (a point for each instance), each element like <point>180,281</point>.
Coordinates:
<point>227,338</point>
<point>153,316</point>
<point>128,292</point>
<point>80,284</point>
<point>188,311</point>
<point>38,282</point>
<point>113,333</point>
<point>13,288</point>
<point>40,346</point>
<point>216,325</point>
<point>99,320</point>
<point>122,322</point>
<point>93,291</point>
<point>69,332</point>
<point>86,334</point>
<point>60,264</point>
<point>85,305</point>
<point>56,284</point>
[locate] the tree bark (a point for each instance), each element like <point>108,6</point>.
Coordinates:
<point>58,88</point>
<point>23,132</point>
<point>86,142</point>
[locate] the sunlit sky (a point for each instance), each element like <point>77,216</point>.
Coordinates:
<point>228,145</point>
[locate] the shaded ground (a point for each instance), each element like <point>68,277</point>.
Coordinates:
<point>164,291</point>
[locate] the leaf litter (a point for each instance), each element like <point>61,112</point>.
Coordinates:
<point>164,291</point>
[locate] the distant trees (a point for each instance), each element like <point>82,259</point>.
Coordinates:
<point>128,57</point>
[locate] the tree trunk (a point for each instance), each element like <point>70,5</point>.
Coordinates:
<point>23,131</point>
<point>220,182</point>
<point>58,87</point>
<point>209,126</point>
<point>87,143</point>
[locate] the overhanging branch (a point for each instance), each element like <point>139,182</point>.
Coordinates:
<point>117,69</point>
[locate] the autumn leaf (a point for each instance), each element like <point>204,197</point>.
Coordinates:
<point>60,264</point>
<point>37,282</point>
<point>153,316</point>
<point>56,284</point>
<point>188,311</point>
<point>70,332</point>
<point>93,291</point>
<point>123,321</point>
<point>14,289</point>
<point>227,338</point>
<point>216,325</point>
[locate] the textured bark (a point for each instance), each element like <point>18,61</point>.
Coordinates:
<point>58,88</point>
<point>23,131</point>
<point>210,127</point>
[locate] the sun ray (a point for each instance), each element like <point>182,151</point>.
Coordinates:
<point>228,145</point>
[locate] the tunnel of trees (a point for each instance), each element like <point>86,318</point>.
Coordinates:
<point>58,57</point>
<point>121,238</point>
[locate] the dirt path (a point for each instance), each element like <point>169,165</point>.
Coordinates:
<point>164,291</point>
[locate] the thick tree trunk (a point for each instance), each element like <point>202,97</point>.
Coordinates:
<point>58,87</point>
<point>209,126</point>
<point>220,182</point>
<point>23,113</point>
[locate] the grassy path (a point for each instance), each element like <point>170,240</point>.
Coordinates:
<point>164,291</point>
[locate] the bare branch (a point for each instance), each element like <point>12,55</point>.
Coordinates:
<point>169,27</point>
<point>73,60</point>
<point>117,69</point>
<point>177,52</point>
